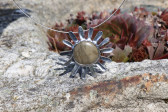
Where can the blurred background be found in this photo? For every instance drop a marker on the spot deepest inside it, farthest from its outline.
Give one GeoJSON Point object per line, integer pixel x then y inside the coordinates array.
{"type": "Point", "coordinates": [52, 11]}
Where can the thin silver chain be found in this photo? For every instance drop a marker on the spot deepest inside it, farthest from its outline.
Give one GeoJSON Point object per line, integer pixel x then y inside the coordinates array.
{"type": "Point", "coordinates": [60, 31]}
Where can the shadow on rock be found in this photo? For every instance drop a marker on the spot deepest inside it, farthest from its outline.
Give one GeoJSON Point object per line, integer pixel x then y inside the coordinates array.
{"type": "Point", "coordinates": [7, 16]}
{"type": "Point", "coordinates": [68, 68]}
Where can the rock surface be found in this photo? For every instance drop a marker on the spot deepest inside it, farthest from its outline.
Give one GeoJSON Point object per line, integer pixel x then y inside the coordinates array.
{"type": "Point", "coordinates": [30, 81]}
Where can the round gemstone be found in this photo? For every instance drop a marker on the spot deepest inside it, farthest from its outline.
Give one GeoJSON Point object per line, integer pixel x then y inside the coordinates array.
{"type": "Point", "coordinates": [85, 53]}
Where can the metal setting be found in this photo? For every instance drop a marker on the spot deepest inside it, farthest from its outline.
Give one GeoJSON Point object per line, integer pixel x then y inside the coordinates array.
{"type": "Point", "coordinates": [83, 44]}
{"type": "Point", "coordinates": [85, 65]}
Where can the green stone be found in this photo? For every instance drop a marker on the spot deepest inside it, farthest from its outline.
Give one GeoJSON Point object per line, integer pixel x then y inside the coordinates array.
{"type": "Point", "coordinates": [85, 53]}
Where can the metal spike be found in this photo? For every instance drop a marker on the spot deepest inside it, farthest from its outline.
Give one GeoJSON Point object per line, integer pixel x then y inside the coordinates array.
{"type": "Point", "coordinates": [102, 68]}
{"type": "Point", "coordinates": [105, 59]}
{"type": "Point", "coordinates": [66, 42]}
{"type": "Point", "coordinates": [81, 33]}
{"type": "Point", "coordinates": [74, 70]}
{"type": "Point", "coordinates": [66, 53]}
{"type": "Point", "coordinates": [106, 50]}
{"type": "Point", "coordinates": [90, 33]}
{"type": "Point", "coordinates": [92, 71]}
{"type": "Point", "coordinates": [73, 37]}
{"type": "Point", "coordinates": [68, 62]}
{"type": "Point", "coordinates": [105, 41]}
{"type": "Point", "coordinates": [83, 75]}
{"type": "Point", "coordinates": [98, 36]}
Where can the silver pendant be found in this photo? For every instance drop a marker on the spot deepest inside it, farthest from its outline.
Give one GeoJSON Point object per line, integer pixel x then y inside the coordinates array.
{"type": "Point", "coordinates": [86, 53]}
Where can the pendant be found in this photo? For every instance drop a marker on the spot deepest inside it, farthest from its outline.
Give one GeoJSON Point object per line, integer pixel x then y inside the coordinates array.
{"type": "Point", "coordinates": [86, 53]}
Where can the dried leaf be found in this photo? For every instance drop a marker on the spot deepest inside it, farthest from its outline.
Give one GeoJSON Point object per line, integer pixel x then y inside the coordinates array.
{"type": "Point", "coordinates": [127, 50]}
{"type": "Point", "coordinates": [121, 55]}
{"type": "Point", "coordinates": [150, 51]}
{"type": "Point", "coordinates": [159, 50]}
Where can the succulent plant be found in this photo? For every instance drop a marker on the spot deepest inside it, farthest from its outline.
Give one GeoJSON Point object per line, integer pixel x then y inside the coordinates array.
{"type": "Point", "coordinates": [134, 36]}
{"type": "Point", "coordinates": [125, 29]}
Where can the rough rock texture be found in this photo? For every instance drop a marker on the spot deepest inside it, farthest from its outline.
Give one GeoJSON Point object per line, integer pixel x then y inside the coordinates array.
{"type": "Point", "coordinates": [30, 81]}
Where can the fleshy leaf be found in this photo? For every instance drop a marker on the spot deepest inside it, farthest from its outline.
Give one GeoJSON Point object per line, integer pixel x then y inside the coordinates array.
{"type": "Point", "coordinates": [159, 50]}
{"type": "Point", "coordinates": [150, 51]}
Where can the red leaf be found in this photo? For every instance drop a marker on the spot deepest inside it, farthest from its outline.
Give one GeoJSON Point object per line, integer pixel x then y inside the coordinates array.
{"type": "Point", "coordinates": [164, 16]}
{"type": "Point", "coordinates": [162, 57]}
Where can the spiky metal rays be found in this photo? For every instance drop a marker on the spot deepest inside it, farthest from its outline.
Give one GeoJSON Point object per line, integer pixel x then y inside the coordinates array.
{"type": "Point", "coordinates": [86, 53]}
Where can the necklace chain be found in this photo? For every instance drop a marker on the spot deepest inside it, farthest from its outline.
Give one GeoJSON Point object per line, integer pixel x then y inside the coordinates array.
{"type": "Point", "coordinates": [60, 31]}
